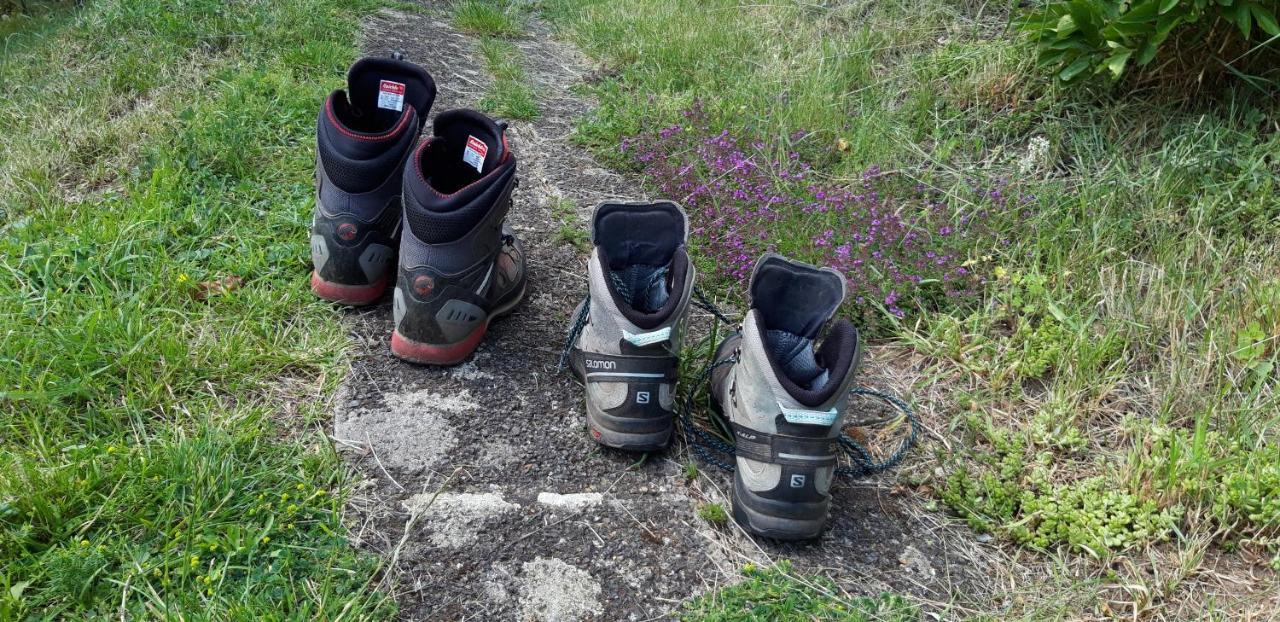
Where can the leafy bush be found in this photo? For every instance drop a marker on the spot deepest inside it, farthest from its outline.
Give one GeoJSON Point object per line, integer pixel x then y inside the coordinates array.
{"type": "Point", "coordinates": [1078, 38]}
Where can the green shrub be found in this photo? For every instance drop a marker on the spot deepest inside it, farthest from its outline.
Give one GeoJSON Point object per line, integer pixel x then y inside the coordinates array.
{"type": "Point", "coordinates": [1079, 38]}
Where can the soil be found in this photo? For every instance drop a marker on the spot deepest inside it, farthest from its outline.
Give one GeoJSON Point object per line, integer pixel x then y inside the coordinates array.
{"type": "Point", "coordinates": [480, 481]}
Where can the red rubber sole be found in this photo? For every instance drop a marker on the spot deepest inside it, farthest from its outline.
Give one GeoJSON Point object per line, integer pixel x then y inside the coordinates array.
{"type": "Point", "coordinates": [427, 354]}
{"type": "Point", "coordinates": [354, 295]}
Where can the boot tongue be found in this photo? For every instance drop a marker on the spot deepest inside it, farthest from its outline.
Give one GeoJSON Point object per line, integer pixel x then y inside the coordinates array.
{"type": "Point", "coordinates": [795, 355]}
{"type": "Point", "coordinates": [793, 301]}
{"type": "Point", "coordinates": [637, 244]}
{"type": "Point", "coordinates": [383, 88]}
{"type": "Point", "coordinates": [472, 141]}
{"type": "Point", "coordinates": [643, 286]}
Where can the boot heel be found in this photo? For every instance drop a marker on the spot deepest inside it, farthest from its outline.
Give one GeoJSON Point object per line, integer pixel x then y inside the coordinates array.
{"type": "Point", "coordinates": [629, 434]}
{"type": "Point", "coordinates": [352, 295]}
{"type": "Point", "coordinates": [778, 520]}
{"type": "Point", "coordinates": [412, 351]}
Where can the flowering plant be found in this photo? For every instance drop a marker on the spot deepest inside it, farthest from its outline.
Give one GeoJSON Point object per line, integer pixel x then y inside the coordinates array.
{"type": "Point", "coordinates": [900, 247]}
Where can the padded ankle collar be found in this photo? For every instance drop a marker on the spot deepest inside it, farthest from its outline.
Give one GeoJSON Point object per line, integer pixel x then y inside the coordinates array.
{"type": "Point", "coordinates": [639, 233]}
{"type": "Point", "coordinates": [794, 296]}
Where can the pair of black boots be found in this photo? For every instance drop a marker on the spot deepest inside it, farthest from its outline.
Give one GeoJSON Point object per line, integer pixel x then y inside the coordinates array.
{"type": "Point", "coordinates": [431, 212]}
{"type": "Point", "coordinates": [783, 394]}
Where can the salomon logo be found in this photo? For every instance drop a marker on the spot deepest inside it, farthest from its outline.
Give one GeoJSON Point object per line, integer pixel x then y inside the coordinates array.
{"type": "Point", "coordinates": [642, 397]}
{"type": "Point", "coordinates": [596, 364]}
{"type": "Point", "coordinates": [797, 481]}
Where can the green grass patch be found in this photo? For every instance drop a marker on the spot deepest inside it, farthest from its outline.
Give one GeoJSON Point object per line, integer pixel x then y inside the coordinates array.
{"type": "Point", "coordinates": [492, 18]}
{"type": "Point", "coordinates": [164, 453]}
{"type": "Point", "coordinates": [509, 96]}
{"type": "Point", "coordinates": [30, 16]}
{"type": "Point", "coordinates": [779, 593]}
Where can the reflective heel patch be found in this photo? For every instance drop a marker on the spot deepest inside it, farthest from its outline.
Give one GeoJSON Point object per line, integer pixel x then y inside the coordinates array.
{"type": "Point", "coordinates": [646, 339]}
{"type": "Point", "coordinates": [809, 417]}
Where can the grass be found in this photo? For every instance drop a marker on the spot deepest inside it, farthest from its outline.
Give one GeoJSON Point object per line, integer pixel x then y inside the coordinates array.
{"type": "Point", "coordinates": [713, 513]}
{"type": "Point", "coordinates": [509, 96]}
{"type": "Point", "coordinates": [1110, 397]}
{"type": "Point", "coordinates": [162, 360]}
{"type": "Point", "coordinates": [570, 229]}
{"type": "Point", "coordinates": [487, 18]}
{"type": "Point", "coordinates": [20, 15]}
{"type": "Point", "coordinates": [779, 593]}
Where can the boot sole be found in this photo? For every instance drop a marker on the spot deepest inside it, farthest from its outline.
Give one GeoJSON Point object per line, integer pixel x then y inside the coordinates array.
{"type": "Point", "coordinates": [761, 521]}
{"type": "Point", "coordinates": [421, 353]}
{"type": "Point", "coordinates": [605, 434]}
{"type": "Point", "coordinates": [351, 295]}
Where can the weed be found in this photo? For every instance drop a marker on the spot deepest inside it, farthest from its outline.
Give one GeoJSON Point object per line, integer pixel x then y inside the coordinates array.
{"type": "Point", "coordinates": [714, 514]}
{"type": "Point", "coordinates": [510, 100]}
{"type": "Point", "coordinates": [1079, 39]}
{"type": "Point", "coordinates": [690, 471]}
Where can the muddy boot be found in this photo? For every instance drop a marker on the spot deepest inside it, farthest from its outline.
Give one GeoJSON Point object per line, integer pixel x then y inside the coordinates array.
{"type": "Point", "coordinates": [460, 267]}
{"type": "Point", "coordinates": [364, 135]}
{"type": "Point", "coordinates": [785, 397]}
{"type": "Point", "coordinates": [626, 354]}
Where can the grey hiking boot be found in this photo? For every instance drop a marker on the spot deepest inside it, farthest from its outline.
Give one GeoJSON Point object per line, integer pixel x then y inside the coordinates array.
{"type": "Point", "coordinates": [626, 353]}
{"type": "Point", "coordinates": [364, 135]}
{"type": "Point", "coordinates": [460, 267]}
{"type": "Point", "coordinates": [785, 397]}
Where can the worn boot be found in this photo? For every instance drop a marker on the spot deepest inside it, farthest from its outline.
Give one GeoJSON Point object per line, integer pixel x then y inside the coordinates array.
{"type": "Point", "coordinates": [460, 267]}
{"type": "Point", "coordinates": [626, 353]}
{"type": "Point", "coordinates": [364, 135]}
{"type": "Point", "coordinates": [785, 397]}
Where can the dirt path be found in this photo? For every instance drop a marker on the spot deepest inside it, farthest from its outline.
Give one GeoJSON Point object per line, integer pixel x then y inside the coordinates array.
{"type": "Point", "coordinates": [481, 481]}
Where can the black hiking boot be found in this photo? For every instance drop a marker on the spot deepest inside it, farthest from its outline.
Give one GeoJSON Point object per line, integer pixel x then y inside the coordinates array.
{"type": "Point", "coordinates": [627, 351]}
{"type": "Point", "coordinates": [460, 267]}
{"type": "Point", "coordinates": [364, 135]}
{"type": "Point", "coordinates": [785, 397]}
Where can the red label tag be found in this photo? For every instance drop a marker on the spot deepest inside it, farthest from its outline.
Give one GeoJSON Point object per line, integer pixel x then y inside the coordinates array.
{"type": "Point", "coordinates": [391, 95]}
{"type": "Point", "coordinates": [475, 152]}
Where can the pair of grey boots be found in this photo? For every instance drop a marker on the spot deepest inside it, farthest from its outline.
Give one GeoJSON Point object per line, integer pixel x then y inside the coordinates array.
{"type": "Point", "coordinates": [783, 394]}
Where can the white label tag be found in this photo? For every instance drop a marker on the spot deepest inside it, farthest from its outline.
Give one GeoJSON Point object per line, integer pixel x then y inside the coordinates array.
{"type": "Point", "coordinates": [475, 152]}
{"type": "Point", "coordinates": [391, 95]}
